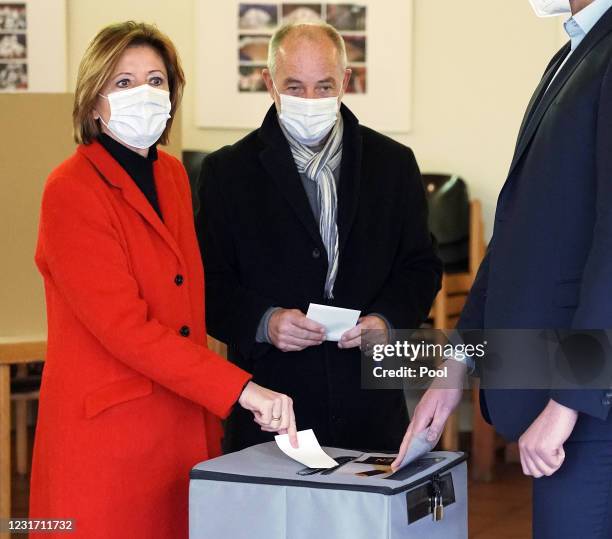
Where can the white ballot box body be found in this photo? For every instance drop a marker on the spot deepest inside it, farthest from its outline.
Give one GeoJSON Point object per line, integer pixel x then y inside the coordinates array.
{"type": "Point", "coordinates": [260, 493]}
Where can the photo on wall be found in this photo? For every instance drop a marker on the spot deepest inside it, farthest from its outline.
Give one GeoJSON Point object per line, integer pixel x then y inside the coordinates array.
{"type": "Point", "coordinates": [230, 91]}
{"type": "Point", "coordinates": [257, 23]}
{"type": "Point", "coordinates": [302, 13]}
{"type": "Point", "coordinates": [347, 17]}
{"type": "Point", "coordinates": [33, 46]}
{"type": "Point", "coordinates": [13, 47]}
{"type": "Point", "coordinates": [253, 48]}
{"type": "Point", "coordinates": [12, 17]}
{"type": "Point", "coordinates": [355, 48]}
{"type": "Point", "coordinates": [255, 17]}
{"type": "Point", "coordinates": [13, 76]}
{"type": "Point", "coordinates": [250, 79]}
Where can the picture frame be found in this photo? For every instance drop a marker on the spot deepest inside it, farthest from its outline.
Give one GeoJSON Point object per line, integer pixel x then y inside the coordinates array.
{"type": "Point", "coordinates": [33, 46]}
{"type": "Point", "coordinates": [231, 51]}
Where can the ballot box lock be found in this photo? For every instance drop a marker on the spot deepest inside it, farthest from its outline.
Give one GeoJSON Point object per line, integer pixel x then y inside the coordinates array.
{"type": "Point", "coordinates": [437, 500]}
{"type": "Point", "coordinates": [431, 498]}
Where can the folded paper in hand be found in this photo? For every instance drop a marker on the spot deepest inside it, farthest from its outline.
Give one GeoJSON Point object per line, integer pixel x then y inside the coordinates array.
{"type": "Point", "coordinates": [309, 452]}
{"type": "Point", "coordinates": [418, 447]}
{"type": "Point", "coordinates": [335, 319]}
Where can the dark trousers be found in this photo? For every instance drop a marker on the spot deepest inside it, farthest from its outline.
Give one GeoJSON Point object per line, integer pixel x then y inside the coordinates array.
{"type": "Point", "coordinates": [576, 501]}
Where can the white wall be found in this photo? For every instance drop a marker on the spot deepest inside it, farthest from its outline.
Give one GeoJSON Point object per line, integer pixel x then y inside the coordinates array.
{"type": "Point", "coordinates": [476, 63]}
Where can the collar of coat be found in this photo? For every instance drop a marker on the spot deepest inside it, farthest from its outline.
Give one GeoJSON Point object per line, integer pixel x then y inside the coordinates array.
{"type": "Point", "coordinates": [277, 160]}
{"type": "Point", "coordinates": [109, 170]}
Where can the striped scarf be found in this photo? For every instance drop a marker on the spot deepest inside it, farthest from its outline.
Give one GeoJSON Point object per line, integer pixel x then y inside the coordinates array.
{"type": "Point", "coordinates": [318, 167]}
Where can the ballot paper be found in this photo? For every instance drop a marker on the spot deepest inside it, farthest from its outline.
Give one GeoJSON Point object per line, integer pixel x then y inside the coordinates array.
{"type": "Point", "coordinates": [335, 319]}
{"type": "Point", "coordinates": [309, 452]}
{"type": "Point", "coordinates": [418, 447]}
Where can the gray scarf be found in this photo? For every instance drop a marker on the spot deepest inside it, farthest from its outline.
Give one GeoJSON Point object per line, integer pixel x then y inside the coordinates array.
{"type": "Point", "coordinates": [318, 167]}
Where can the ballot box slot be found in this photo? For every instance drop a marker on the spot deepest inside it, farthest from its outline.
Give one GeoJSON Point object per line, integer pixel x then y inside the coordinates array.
{"type": "Point", "coordinates": [419, 465]}
{"type": "Point", "coordinates": [327, 471]}
{"type": "Point", "coordinates": [430, 498]}
{"type": "Point", "coordinates": [210, 475]}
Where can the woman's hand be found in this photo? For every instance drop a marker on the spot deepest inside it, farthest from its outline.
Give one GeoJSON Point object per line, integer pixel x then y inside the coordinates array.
{"type": "Point", "coordinates": [273, 411]}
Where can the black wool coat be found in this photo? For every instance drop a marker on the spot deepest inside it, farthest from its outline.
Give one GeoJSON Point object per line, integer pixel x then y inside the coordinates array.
{"type": "Point", "coordinates": [262, 248]}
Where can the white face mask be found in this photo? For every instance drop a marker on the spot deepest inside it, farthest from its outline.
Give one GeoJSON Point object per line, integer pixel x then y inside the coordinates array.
{"type": "Point", "coordinates": [308, 121]}
{"type": "Point", "coordinates": [138, 115]}
{"type": "Point", "coordinates": [550, 8]}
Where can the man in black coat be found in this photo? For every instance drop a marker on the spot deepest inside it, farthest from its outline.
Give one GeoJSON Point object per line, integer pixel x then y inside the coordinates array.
{"type": "Point", "coordinates": [314, 208]}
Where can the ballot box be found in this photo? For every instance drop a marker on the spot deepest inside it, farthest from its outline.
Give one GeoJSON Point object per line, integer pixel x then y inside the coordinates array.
{"type": "Point", "coordinates": [260, 493]}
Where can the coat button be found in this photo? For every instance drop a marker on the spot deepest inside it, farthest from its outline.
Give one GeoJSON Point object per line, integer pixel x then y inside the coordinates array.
{"type": "Point", "coordinates": [316, 253]}
{"type": "Point", "coordinates": [185, 331]}
{"type": "Point", "coordinates": [179, 280]}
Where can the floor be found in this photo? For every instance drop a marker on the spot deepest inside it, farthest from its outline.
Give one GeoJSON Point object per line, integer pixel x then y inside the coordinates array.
{"type": "Point", "coordinates": [497, 510]}
{"type": "Point", "coordinates": [501, 509]}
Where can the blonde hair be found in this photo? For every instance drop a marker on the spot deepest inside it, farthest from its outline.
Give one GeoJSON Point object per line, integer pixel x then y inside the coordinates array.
{"type": "Point", "coordinates": [306, 29]}
{"type": "Point", "coordinates": [97, 66]}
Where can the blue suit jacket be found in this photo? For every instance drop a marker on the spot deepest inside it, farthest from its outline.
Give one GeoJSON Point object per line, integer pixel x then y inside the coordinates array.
{"type": "Point", "coordinates": [549, 263]}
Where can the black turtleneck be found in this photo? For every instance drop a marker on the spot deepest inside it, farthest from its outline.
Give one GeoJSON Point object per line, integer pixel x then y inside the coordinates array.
{"type": "Point", "coordinates": [139, 168]}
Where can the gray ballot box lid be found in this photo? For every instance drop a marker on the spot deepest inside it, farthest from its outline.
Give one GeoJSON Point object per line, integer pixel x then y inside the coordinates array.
{"type": "Point", "coordinates": [266, 464]}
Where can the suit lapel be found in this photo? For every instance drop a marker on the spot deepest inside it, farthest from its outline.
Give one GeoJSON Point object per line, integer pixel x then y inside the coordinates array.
{"type": "Point", "coordinates": [601, 29]}
{"type": "Point", "coordinates": [114, 174]}
{"type": "Point", "coordinates": [350, 176]}
{"type": "Point", "coordinates": [279, 164]}
{"type": "Point", "coordinates": [544, 84]}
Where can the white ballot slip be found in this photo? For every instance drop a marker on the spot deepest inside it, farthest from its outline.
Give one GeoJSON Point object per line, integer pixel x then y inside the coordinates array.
{"type": "Point", "coordinates": [309, 452]}
{"type": "Point", "coordinates": [335, 319]}
{"type": "Point", "coordinates": [417, 448]}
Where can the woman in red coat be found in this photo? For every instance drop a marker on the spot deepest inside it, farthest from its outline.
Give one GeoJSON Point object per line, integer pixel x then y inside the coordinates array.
{"type": "Point", "coordinates": [131, 397]}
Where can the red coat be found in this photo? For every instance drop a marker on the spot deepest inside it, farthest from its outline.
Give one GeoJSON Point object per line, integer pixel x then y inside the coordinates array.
{"type": "Point", "coordinates": [128, 403]}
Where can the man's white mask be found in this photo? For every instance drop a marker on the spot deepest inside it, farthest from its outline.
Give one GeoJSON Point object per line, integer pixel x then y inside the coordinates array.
{"type": "Point", "coordinates": [309, 121]}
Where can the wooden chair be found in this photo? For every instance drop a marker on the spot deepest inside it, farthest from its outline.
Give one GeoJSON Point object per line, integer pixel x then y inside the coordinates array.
{"type": "Point", "coordinates": [456, 286]}
{"type": "Point", "coordinates": [14, 351]}
{"type": "Point", "coordinates": [25, 388]}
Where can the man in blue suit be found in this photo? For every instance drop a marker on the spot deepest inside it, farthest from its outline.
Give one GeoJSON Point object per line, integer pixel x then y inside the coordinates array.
{"type": "Point", "coordinates": [549, 266]}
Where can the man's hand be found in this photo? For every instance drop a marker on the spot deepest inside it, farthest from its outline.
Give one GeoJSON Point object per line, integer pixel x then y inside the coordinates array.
{"type": "Point", "coordinates": [291, 331]}
{"type": "Point", "coordinates": [273, 411]}
{"type": "Point", "coordinates": [541, 446]}
{"type": "Point", "coordinates": [438, 402]}
{"type": "Point", "coordinates": [352, 337]}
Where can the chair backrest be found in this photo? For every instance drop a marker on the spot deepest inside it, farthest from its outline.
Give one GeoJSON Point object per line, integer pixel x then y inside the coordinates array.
{"type": "Point", "coordinates": [456, 286]}
{"type": "Point", "coordinates": [449, 219]}
{"type": "Point", "coordinates": [192, 161]}
{"type": "Point", "coordinates": [477, 239]}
